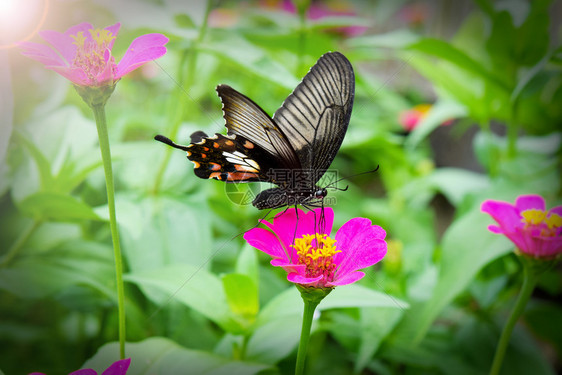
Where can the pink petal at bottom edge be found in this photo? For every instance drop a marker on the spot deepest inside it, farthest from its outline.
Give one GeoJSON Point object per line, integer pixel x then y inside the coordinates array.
{"type": "Point", "coordinates": [74, 75]}
{"type": "Point", "coordinates": [118, 368]}
{"type": "Point", "coordinates": [347, 279]}
{"type": "Point", "coordinates": [86, 371]}
{"type": "Point", "coordinates": [299, 279]}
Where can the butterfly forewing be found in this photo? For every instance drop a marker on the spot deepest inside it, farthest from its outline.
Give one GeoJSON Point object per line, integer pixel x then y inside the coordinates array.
{"type": "Point", "coordinates": [316, 115]}
{"type": "Point", "coordinates": [245, 118]}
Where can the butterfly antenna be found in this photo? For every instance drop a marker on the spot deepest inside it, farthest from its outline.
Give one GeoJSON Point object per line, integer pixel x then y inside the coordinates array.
{"type": "Point", "coordinates": [329, 186]}
{"type": "Point", "coordinates": [168, 141]}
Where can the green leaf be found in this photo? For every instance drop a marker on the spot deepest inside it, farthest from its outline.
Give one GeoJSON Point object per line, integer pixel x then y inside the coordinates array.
{"type": "Point", "coordinates": [441, 112]}
{"type": "Point", "coordinates": [456, 183]}
{"type": "Point", "coordinates": [56, 206]}
{"type": "Point", "coordinates": [450, 53]}
{"type": "Point", "coordinates": [394, 39]}
{"type": "Point", "coordinates": [247, 263]}
{"type": "Point", "coordinates": [159, 231]}
{"type": "Point", "coordinates": [467, 247]}
{"type": "Point", "coordinates": [72, 263]}
{"type": "Point", "coordinates": [278, 325]}
{"type": "Point", "coordinates": [194, 287]}
{"type": "Point", "coordinates": [43, 165]}
{"type": "Point", "coordinates": [242, 295]}
{"type": "Point", "coordinates": [376, 324]}
{"type": "Point", "coordinates": [161, 356]}
{"type": "Point", "coordinates": [354, 295]}
{"type": "Point", "coordinates": [237, 50]}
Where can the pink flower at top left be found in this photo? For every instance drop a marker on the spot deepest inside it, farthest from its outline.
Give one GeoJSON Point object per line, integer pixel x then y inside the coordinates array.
{"type": "Point", "coordinates": [82, 54]}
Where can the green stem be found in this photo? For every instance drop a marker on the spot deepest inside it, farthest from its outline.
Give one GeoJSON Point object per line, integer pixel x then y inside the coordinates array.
{"type": "Point", "coordinates": [529, 282]}
{"type": "Point", "coordinates": [309, 307]}
{"type": "Point", "coordinates": [18, 245]}
{"type": "Point", "coordinates": [302, 9]}
{"type": "Point", "coordinates": [101, 123]}
{"type": "Point", "coordinates": [181, 110]}
{"type": "Point", "coordinates": [512, 132]}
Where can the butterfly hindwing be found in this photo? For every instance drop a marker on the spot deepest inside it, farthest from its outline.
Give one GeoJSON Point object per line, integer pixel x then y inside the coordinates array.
{"type": "Point", "coordinates": [228, 158]}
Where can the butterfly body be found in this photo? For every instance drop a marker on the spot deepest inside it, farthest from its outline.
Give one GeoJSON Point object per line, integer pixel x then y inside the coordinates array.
{"type": "Point", "coordinates": [293, 149]}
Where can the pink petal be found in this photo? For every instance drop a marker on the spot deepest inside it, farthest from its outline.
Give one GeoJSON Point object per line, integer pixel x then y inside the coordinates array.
{"type": "Point", "coordinates": [550, 246]}
{"type": "Point", "coordinates": [556, 210]}
{"type": "Point", "coordinates": [107, 74]}
{"type": "Point", "coordinates": [299, 279]}
{"type": "Point", "coordinates": [521, 240]}
{"type": "Point", "coordinates": [118, 368]}
{"type": "Point", "coordinates": [495, 229]}
{"type": "Point", "coordinates": [288, 267]}
{"type": "Point", "coordinates": [75, 75]}
{"type": "Point", "coordinates": [347, 279]}
{"type": "Point", "coordinates": [62, 42]}
{"type": "Point", "coordinates": [84, 27]}
{"type": "Point", "coordinates": [114, 30]}
{"type": "Point", "coordinates": [86, 371]}
{"type": "Point", "coordinates": [42, 53]}
{"type": "Point", "coordinates": [505, 214]}
{"type": "Point", "coordinates": [526, 202]}
{"type": "Point", "coordinates": [143, 49]}
{"type": "Point", "coordinates": [264, 240]}
{"type": "Point", "coordinates": [362, 245]}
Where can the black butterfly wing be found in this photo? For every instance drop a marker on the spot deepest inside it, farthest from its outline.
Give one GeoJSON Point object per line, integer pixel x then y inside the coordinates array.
{"type": "Point", "coordinates": [246, 119]}
{"type": "Point", "coordinates": [228, 158]}
{"type": "Point", "coordinates": [314, 118]}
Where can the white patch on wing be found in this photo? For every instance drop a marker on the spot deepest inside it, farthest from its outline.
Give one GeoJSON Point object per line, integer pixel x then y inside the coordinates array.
{"type": "Point", "coordinates": [242, 161]}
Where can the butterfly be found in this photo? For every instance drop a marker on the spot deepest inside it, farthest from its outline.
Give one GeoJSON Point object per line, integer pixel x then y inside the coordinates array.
{"type": "Point", "coordinates": [293, 149]}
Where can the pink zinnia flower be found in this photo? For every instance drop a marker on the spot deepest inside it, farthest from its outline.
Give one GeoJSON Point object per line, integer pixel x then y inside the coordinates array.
{"type": "Point", "coordinates": [82, 54]}
{"type": "Point", "coordinates": [318, 10]}
{"type": "Point", "coordinates": [528, 225]}
{"type": "Point", "coordinates": [117, 368]}
{"type": "Point", "coordinates": [310, 256]}
{"type": "Point", "coordinates": [410, 118]}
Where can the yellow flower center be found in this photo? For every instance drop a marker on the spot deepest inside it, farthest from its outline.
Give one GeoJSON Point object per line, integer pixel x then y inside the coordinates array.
{"type": "Point", "coordinates": [90, 54]}
{"type": "Point", "coordinates": [316, 252]}
{"type": "Point", "coordinates": [539, 219]}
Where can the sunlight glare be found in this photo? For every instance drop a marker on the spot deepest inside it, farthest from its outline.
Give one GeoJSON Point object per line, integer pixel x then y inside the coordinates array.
{"type": "Point", "coordinates": [20, 20]}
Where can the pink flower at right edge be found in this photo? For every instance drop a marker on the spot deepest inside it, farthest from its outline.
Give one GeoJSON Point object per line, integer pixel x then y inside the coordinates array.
{"type": "Point", "coordinates": [534, 230]}
{"type": "Point", "coordinates": [310, 257]}
{"type": "Point", "coordinates": [116, 368]}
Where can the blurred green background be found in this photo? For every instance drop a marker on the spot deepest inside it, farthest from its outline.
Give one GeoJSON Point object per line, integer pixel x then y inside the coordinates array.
{"type": "Point", "coordinates": [198, 299]}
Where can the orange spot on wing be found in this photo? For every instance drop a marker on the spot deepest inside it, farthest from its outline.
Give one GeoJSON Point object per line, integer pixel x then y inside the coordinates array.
{"type": "Point", "coordinates": [205, 148]}
{"type": "Point", "coordinates": [229, 143]}
{"type": "Point", "coordinates": [215, 145]}
{"type": "Point", "coordinates": [214, 166]}
{"type": "Point", "coordinates": [248, 144]}
{"type": "Point", "coordinates": [203, 156]}
{"type": "Point", "coordinates": [243, 168]}
{"type": "Point", "coordinates": [236, 176]}
{"type": "Point", "coordinates": [197, 165]}
{"type": "Point", "coordinates": [215, 175]}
